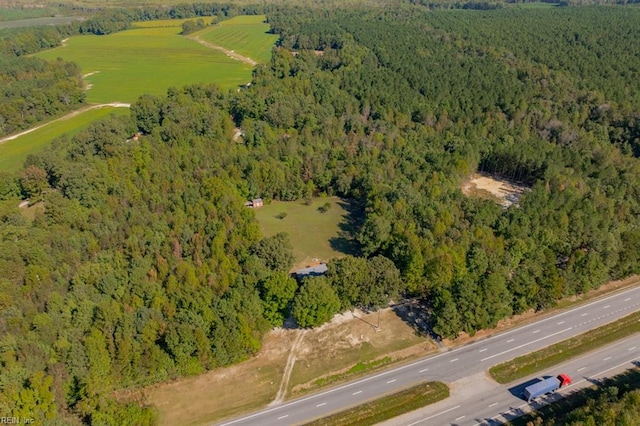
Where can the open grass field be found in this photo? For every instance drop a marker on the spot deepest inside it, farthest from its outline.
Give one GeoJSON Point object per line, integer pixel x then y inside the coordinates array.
{"type": "Point", "coordinates": [14, 152]}
{"type": "Point", "coordinates": [9, 22]}
{"type": "Point", "coordinates": [313, 234]}
{"type": "Point", "coordinates": [127, 64]}
{"type": "Point", "coordinates": [246, 35]}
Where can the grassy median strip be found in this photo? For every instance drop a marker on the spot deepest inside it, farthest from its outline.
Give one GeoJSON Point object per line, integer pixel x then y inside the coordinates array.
{"type": "Point", "coordinates": [388, 407]}
{"type": "Point", "coordinates": [526, 365]}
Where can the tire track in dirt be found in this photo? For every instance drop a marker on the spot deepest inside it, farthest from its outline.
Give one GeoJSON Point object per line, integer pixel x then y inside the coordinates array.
{"type": "Point", "coordinates": [64, 117]}
{"type": "Point", "coordinates": [286, 375]}
{"type": "Point", "coordinates": [229, 53]}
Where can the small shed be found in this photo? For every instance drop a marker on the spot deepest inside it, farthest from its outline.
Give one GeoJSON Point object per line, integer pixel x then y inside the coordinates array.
{"type": "Point", "coordinates": [255, 203]}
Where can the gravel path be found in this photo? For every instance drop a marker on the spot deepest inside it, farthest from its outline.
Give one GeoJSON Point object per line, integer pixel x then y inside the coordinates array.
{"type": "Point", "coordinates": [64, 117]}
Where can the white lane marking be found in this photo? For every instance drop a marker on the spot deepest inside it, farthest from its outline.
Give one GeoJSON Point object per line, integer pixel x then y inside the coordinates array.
{"type": "Point", "coordinates": [561, 322]}
{"type": "Point", "coordinates": [423, 370]}
{"type": "Point", "coordinates": [454, 360]}
{"type": "Point", "coordinates": [413, 364]}
{"type": "Point", "coordinates": [320, 405]}
{"type": "Point", "coordinates": [525, 344]}
{"type": "Point", "coordinates": [585, 314]}
{"type": "Point", "coordinates": [537, 331]}
{"type": "Point", "coordinates": [355, 393]}
{"type": "Point", "coordinates": [283, 417]}
{"type": "Point", "coordinates": [482, 350]}
{"type": "Point", "coordinates": [493, 405]}
{"type": "Point", "coordinates": [460, 418]}
{"type": "Point", "coordinates": [601, 372]}
{"type": "Point", "coordinates": [510, 340]}
{"type": "Point", "coordinates": [627, 299]}
{"type": "Point", "coordinates": [581, 368]}
{"type": "Point", "coordinates": [630, 349]}
{"type": "Point", "coordinates": [606, 307]}
{"type": "Point", "coordinates": [391, 381]}
{"type": "Point", "coordinates": [607, 358]}
{"type": "Point", "coordinates": [435, 415]}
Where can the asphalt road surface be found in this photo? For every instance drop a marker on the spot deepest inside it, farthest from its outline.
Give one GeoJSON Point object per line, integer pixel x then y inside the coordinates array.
{"type": "Point", "coordinates": [453, 365]}
{"type": "Point", "coordinates": [481, 401]}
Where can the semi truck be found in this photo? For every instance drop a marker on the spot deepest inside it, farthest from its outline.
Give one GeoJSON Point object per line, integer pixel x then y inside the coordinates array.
{"type": "Point", "coordinates": [546, 386]}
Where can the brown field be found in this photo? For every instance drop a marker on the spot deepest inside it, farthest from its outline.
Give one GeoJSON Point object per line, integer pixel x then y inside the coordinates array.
{"type": "Point", "coordinates": [330, 349]}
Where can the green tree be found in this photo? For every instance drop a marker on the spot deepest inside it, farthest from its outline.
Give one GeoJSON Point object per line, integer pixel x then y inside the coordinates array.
{"type": "Point", "coordinates": [276, 252]}
{"type": "Point", "coordinates": [33, 181]}
{"type": "Point", "coordinates": [9, 186]}
{"type": "Point", "coordinates": [36, 400]}
{"type": "Point", "coordinates": [347, 276]}
{"type": "Point", "coordinates": [315, 303]}
{"type": "Point", "coordinates": [146, 113]}
{"type": "Point", "coordinates": [277, 292]}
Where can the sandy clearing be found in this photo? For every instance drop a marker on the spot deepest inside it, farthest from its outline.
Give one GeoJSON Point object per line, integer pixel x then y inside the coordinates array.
{"type": "Point", "coordinates": [506, 193]}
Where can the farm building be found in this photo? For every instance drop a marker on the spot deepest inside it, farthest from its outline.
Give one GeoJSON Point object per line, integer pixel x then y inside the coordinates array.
{"type": "Point", "coordinates": [311, 271]}
{"type": "Point", "coordinates": [255, 203]}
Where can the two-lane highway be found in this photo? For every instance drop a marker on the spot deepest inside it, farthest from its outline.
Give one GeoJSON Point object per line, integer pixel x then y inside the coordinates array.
{"type": "Point", "coordinates": [454, 364]}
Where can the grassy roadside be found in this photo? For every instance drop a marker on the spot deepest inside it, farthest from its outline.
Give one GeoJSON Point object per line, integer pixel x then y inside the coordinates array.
{"type": "Point", "coordinates": [528, 364]}
{"type": "Point", "coordinates": [328, 356]}
{"type": "Point", "coordinates": [388, 407]}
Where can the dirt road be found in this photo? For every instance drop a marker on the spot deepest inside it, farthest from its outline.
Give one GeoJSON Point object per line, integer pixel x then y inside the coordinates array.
{"type": "Point", "coordinates": [229, 53]}
{"type": "Point", "coordinates": [64, 117]}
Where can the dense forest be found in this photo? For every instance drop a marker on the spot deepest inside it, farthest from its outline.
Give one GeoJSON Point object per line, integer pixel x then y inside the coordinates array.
{"type": "Point", "coordinates": [33, 90]}
{"type": "Point", "coordinates": [144, 265]}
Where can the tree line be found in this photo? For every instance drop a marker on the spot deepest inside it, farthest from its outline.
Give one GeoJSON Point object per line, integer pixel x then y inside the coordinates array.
{"type": "Point", "coordinates": [145, 266]}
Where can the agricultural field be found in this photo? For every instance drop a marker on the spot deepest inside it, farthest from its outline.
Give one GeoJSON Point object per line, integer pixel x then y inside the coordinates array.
{"type": "Point", "coordinates": [7, 21]}
{"type": "Point", "coordinates": [246, 35]}
{"type": "Point", "coordinates": [14, 152]}
{"type": "Point", "coordinates": [314, 234]}
{"type": "Point", "coordinates": [122, 66]}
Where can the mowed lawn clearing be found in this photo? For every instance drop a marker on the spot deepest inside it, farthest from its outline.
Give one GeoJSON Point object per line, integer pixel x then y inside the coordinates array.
{"type": "Point", "coordinates": [246, 35]}
{"type": "Point", "coordinates": [120, 67]}
{"type": "Point", "coordinates": [313, 234]}
{"type": "Point", "coordinates": [13, 153]}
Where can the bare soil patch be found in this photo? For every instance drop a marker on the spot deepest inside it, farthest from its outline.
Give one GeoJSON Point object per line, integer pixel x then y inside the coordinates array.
{"type": "Point", "coordinates": [490, 187]}
{"type": "Point", "coordinates": [353, 338]}
{"type": "Point", "coordinates": [226, 391]}
{"type": "Point", "coordinates": [330, 349]}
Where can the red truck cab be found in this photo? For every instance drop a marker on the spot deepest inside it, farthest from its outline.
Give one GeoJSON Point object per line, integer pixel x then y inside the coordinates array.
{"type": "Point", "coordinates": [564, 380]}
